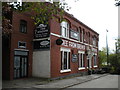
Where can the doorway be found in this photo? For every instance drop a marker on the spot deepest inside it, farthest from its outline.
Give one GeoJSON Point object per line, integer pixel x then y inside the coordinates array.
{"type": "Point", "coordinates": [20, 66]}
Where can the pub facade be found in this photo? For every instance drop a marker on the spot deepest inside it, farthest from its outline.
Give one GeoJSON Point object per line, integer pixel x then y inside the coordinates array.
{"type": "Point", "coordinates": [53, 50]}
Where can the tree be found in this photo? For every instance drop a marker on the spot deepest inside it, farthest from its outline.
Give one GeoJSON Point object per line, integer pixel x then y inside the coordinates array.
{"type": "Point", "coordinates": [102, 57]}
{"type": "Point", "coordinates": [114, 58]}
{"type": "Point", "coordinates": [117, 3]}
{"type": "Point", "coordinates": [43, 11]}
{"type": "Point", "coordinates": [117, 44]}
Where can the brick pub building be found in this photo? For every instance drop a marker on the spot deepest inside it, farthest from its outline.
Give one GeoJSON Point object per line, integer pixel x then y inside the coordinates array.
{"type": "Point", "coordinates": [55, 50]}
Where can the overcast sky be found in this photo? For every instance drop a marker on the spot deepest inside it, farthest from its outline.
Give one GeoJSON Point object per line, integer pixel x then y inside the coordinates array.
{"type": "Point", "coordinates": [98, 15]}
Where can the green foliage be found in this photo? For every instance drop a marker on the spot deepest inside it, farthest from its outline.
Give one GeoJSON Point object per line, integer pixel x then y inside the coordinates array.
{"type": "Point", "coordinates": [44, 11]}
{"type": "Point", "coordinates": [112, 70]}
{"type": "Point", "coordinates": [113, 60]}
{"type": "Point", "coordinates": [117, 2]}
{"type": "Point", "coordinates": [102, 57]}
{"type": "Point", "coordinates": [40, 12]}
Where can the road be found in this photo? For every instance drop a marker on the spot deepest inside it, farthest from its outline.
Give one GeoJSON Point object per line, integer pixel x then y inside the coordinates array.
{"type": "Point", "coordinates": [109, 81]}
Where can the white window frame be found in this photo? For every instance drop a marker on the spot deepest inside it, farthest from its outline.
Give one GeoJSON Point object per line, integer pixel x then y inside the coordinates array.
{"type": "Point", "coordinates": [79, 34]}
{"type": "Point", "coordinates": [21, 46]}
{"type": "Point", "coordinates": [62, 68]}
{"type": "Point", "coordinates": [65, 29]}
{"type": "Point", "coordinates": [94, 41]}
{"type": "Point", "coordinates": [79, 53]}
{"type": "Point", "coordinates": [23, 26]}
{"type": "Point", "coordinates": [82, 36]}
{"type": "Point", "coordinates": [95, 58]}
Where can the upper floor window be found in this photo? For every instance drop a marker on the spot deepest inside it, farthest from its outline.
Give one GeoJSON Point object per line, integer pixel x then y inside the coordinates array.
{"type": "Point", "coordinates": [82, 35]}
{"type": "Point", "coordinates": [94, 41]}
{"type": "Point", "coordinates": [65, 29]}
{"type": "Point", "coordinates": [89, 37]}
{"type": "Point", "coordinates": [21, 44]}
{"type": "Point", "coordinates": [74, 34]}
{"type": "Point", "coordinates": [23, 26]}
{"type": "Point", "coordinates": [95, 60]}
{"type": "Point", "coordinates": [80, 38]}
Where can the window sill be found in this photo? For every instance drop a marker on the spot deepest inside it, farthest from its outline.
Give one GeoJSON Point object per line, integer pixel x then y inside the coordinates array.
{"type": "Point", "coordinates": [81, 68]}
{"type": "Point", "coordinates": [67, 70]}
{"type": "Point", "coordinates": [89, 67]}
{"type": "Point", "coordinates": [65, 37]}
{"type": "Point", "coordinates": [95, 66]}
{"type": "Point", "coordinates": [21, 47]}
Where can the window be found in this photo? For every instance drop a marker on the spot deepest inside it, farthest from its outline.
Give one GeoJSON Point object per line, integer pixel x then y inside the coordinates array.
{"type": "Point", "coordinates": [21, 44]}
{"type": "Point", "coordinates": [65, 59]}
{"type": "Point", "coordinates": [89, 37]}
{"type": "Point", "coordinates": [81, 60]}
{"type": "Point", "coordinates": [79, 30]}
{"type": "Point", "coordinates": [94, 41]}
{"type": "Point", "coordinates": [23, 26]}
{"type": "Point", "coordinates": [82, 35]}
{"type": "Point", "coordinates": [65, 29]}
{"type": "Point", "coordinates": [23, 53]}
{"type": "Point", "coordinates": [95, 60]}
{"type": "Point", "coordinates": [74, 34]}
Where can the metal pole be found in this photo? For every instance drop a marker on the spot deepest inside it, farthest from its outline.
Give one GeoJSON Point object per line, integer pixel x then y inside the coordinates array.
{"type": "Point", "coordinates": [107, 48]}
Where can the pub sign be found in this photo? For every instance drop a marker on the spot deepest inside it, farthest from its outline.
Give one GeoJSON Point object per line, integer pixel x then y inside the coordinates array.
{"type": "Point", "coordinates": [74, 57]}
{"type": "Point", "coordinates": [74, 34]}
{"type": "Point", "coordinates": [42, 31]}
{"type": "Point", "coordinates": [42, 44]}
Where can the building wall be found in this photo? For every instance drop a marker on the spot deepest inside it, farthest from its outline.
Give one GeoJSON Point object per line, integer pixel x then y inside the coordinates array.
{"type": "Point", "coordinates": [41, 64]}
{"type": "Point", "coordinates": [48, 63]}
{"type": "Point", "coordinates": [18, 36]}
{"type": "Point", "coordinates": [5, 58]}
{"type": "Point", "coordinates": [55, 49]}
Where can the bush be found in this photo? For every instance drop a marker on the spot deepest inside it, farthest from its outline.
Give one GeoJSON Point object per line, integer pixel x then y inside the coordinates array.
{"type": "Point", "coordinates": [112, 70]}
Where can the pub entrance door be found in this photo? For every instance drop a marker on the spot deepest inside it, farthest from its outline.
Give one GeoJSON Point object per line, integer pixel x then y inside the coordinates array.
{"type": "Point", "coordinates": [20, 66]}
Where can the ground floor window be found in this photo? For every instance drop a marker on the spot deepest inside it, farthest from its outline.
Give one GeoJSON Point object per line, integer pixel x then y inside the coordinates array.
{"type": "Point", "coordinates": [81, 59]}
{"type": "Point", "coordinates": [65, 59]}
{"type": "Point", "coordinates": [95, 60]}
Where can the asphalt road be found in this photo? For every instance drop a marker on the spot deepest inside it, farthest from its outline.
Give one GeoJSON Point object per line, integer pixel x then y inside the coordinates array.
{"type": "Point", "coordinates": [109, 81]}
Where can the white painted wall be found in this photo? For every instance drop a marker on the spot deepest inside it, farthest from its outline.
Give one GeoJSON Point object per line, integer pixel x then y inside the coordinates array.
{"type": "Point", "coordinates": [41, 64]}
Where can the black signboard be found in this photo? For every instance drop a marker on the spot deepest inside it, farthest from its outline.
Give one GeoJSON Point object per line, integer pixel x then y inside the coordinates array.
{"type": "Point", "coordinates": [42, 31]}
{"type": "Point", "coordinates": [74, 58]}
{"type": "Point", "coordinates": [42, 44]}
{"type": "Point", "coordinates": [74, 34]}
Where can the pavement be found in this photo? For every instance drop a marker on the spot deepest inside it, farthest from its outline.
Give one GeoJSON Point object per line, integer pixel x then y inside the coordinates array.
{"type": "Point", "coordinates": [45, 83]}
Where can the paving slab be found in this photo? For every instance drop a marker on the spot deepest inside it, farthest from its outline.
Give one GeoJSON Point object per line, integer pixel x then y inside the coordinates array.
{"type": "Point", "coordinates": [69, 82]}
{"type": "Point", "coordinates": [42, 83]}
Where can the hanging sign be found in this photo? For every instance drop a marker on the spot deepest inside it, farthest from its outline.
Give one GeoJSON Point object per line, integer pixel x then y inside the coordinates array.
{"type": "Point", "coordinates": [73, 44]}
{"type": "Point", "coordinates": [42, 31]}
{"type": "Point", "coordinates": [42, 44]}
{"type": "Point", "coordinates": [74, 58]}
{"type": "Point", "coordinates": [74, 34]}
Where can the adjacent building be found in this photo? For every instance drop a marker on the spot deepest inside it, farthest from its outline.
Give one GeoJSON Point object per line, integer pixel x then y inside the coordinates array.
{"type": "Point", "coordinates": [54, 50]}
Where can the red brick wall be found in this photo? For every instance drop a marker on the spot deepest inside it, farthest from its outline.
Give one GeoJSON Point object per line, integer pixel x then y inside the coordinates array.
{"type": "Point", "coordinates": [55, 49]}
{"type": "Point", "coordinates": [18, 36]}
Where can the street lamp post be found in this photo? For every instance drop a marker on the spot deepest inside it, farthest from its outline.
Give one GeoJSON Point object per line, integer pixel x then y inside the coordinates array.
{"type": "Point", "coordinates": [107, 48]}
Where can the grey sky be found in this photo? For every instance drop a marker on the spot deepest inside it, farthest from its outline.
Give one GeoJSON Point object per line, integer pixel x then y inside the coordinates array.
{"type": "Point", "coordinates": [99, 15]}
